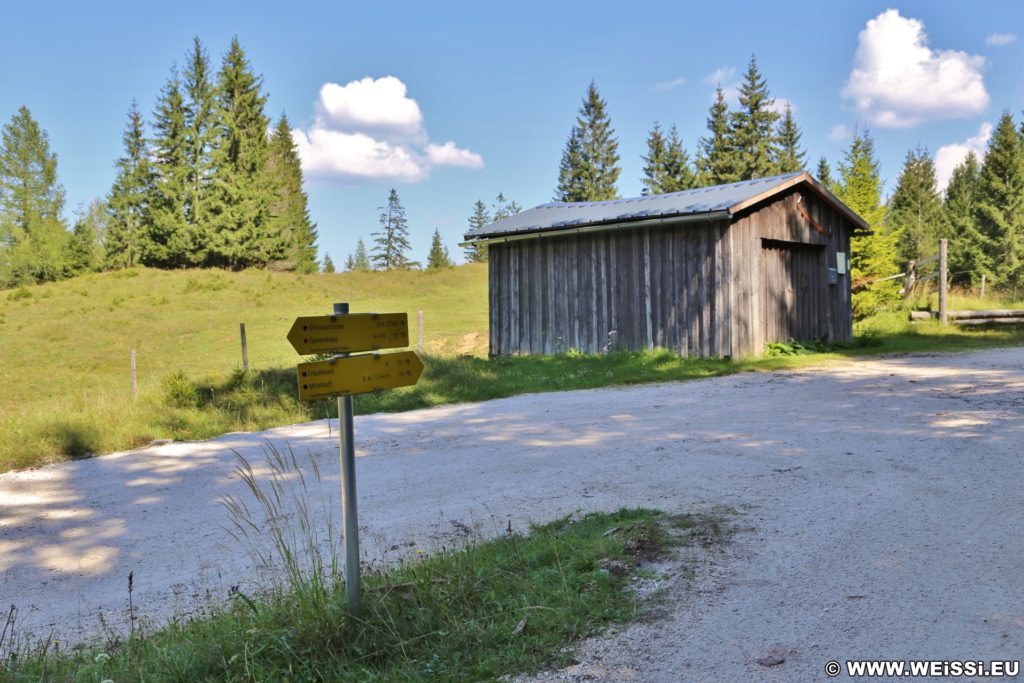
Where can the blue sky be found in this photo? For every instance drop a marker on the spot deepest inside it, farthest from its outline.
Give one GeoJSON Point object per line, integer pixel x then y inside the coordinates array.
{"type": "Point", "coordinates": [454, 102]}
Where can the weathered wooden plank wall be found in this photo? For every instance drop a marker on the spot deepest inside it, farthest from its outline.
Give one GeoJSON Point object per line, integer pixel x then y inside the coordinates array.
{"type": "Point", "coordinates": [700, 289]}
{"type": "Point", "coordinates": [633, 289]}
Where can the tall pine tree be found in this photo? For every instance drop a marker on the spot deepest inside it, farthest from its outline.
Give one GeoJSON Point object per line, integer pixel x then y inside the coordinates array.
{"type": "Point", "coordinates": [85, 246]}
{"type": "Point", "coordinates": [438, 257]}
{"type": "Point", "coordinates": [477, 253]}
{"type": "Point", "coordinates": [33, 236]}
{"type": "Point", "coordinates": [666, 165]}
{"type": "Point", "coordinates": [328, 264]}
{"type": "Point", "coordinates": [359, 261]}
{"type": "Point", "coordinates": [202, 122]}
{"type": "Point", "coordinates": [915, 208]}
{"type": "Point", "coordinates": [824, 175]}
{"type": "Point", "coordinates": [969, 248]}
{"type": "Point", "coordinates": [589, 168]}
{"type": "Point", "coordinates": [289, 211]}
{"type": "Point", "coordinates": [169, 243]}
{"type": "Point", "coordinates": [391, 244]}
{"type": "Point", "coordinates": [753, 126]}
{"type": "Point", "coordinates": [242, 234]}
{"type": "Point", "coordinates": [873, 256]}
{"type": "Point", "coordinates": [999, 206]}
{"type": "Point", "coordinates": [791, 157]}
{"type": "Point", "coordinates": [654, 162]}
{"type": "Point", "coordinates": [717, 161]}
{"type": "Point", "coordinates": [130, 198]}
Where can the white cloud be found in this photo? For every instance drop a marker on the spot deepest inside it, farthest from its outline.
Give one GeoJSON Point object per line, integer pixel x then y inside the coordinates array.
{"type": "Point", "coordinates": [665, 86]}
{"type": "Point", "coordinates": [839, 132]}
{"type": "Point", "coordinates": [950, 156]}
{"type": "Point", "coordinates": [778, 106]}
{"type": "Point", "coordinates": [450, 155]}
{"type": "Point", "coordinates": [371, 130]}
{"type": "Point", "coordinates": [898, 81]}
{"type": "Point", "coordinates": [720, 75]}
{"type": "Point", "coordinates": [999, 39]}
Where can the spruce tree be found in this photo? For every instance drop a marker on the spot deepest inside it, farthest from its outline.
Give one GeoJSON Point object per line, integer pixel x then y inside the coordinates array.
{"type": "Point", "coordinates": [824, 175]}
{"type": "Point", "coordinates": [477, 253]}
{"type": "Point", "coordinates": [716, 156]}
{"type": "Point", "coordinates": [999, 207]}
{"type": "Point", "coordinates": [168, 243]}
{"type": "Point", "coordinates": [85, 245]}
{"type": "Point", "coordinates": [201, 134]}
{"type": "Point", "coordinates": [242, 234]}
{"type": "Point", "coordinates": [33, 236]}
{"type": "Point", "coordinates": [289, 210]}
{"type": "Point", "coordinates": [361, 261]}
{"type": "Point", "coordinates": [678, 171]}
{"type": "Point", "coordinates": [969, 249]}
{"type": "Point", "coordinates": [130, 200]}
{"type": "Point", "coordinates": [753, 126]}
{"type": "Point", "coordinates": [874, 256]}
{"type": "Point", "coordinates": [791, 157]}
{"type": "Point", "coordinates": [589, 169]}
{"type": "Point", "coordinates": [915, 208]}
{"type": "Point", "coordinates": [654, 162]}
{"type": "Point", "coordinates": [503, 208]}
{"type": "Point", "coordinates": [391, 244]}
{"type": "Point", "coordinates": [438, 257]}
{"type": "Point", "coordinates": [350, 263]}
{"type": "Point", "coordinates": [328, 264]}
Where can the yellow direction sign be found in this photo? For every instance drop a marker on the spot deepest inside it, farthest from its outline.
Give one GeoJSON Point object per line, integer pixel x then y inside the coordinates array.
{"type": "Point", "coordinates": [344, 376]}
{"type": "Point", "coordinates": [349, 333]}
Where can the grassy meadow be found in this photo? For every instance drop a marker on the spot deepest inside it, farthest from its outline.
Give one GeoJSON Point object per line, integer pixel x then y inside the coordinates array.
{"type": "Point", "coordinates": [65, 387]}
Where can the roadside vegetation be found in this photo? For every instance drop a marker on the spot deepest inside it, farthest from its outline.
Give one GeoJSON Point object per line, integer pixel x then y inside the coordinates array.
{"type": "Point", "coordinates": [479, 612]}
{"type": "Point", "coordinates": [66, 347]}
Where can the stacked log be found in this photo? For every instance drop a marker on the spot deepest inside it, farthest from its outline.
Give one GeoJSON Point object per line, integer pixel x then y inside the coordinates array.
{"type": "Point", "coordinates": [1004, 316]}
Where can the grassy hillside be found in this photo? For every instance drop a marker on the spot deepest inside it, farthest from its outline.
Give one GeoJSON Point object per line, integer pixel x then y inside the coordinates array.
{"type": "Point", "coordinates": [65, 346]}
{"type": "Point", "coordinates": [65, 352]}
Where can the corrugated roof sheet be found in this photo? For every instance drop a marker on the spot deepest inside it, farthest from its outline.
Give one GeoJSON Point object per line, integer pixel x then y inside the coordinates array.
{"type": "Point", "coordinates": [576, 214]}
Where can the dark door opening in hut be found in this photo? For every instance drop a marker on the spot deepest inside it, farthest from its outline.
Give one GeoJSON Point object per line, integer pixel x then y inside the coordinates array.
{"type": "Point", "coordinates": [793, 281]}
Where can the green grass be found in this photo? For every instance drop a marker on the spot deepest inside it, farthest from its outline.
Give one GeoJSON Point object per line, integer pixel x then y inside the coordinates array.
{"type": "Point", "coordinates": [470, 614]}
{"type": "Point", "coordinates": [66, 346]}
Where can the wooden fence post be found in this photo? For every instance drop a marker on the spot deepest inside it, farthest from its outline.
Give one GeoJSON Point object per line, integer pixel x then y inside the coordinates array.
{"type": "Point", "coordinates": [943, 280]}
{"type": "Point", "coordinates": [910, 279]}
{"type": "Point", "coordinates": [419, 333]}
{"type": "Point", "coordinates": [135, 379]}
{"type": "Point", "coordinates": [983, 285]}
{"type": "Point", "coordinates": [245, 350]}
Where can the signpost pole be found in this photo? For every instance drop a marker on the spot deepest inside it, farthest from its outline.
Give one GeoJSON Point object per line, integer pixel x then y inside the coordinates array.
{"type": "Point", "coordinates": [348, 489]}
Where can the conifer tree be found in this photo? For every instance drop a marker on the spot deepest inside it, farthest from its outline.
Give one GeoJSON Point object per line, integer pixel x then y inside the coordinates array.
{"type": "Point", "coordinates": [874, 256]}
{"type": "Point", "coordinates": [999, 206]}
{"type": "Point", "coordinates": [969, 248]}
{"type": "Point", "coordinates": [169, 243]}
{"type": "Point", "coordinates": [361, 261]}
{"type": "Point", "coordinates": [503, 208]}
{"type": "Point", "coordinates": [85, 245]}
{"type": "Point", "coordinates": [438, 257]}
{"type": "Point", "coordinates": [753, 126]}
{"type": "Point", "coordinates": [328, 264]}
{"type": "Point", "coordinates": [477, 253]}
{"type": "Point", "coordinates": [654, 162]}
{"type": "Point", "coordinates": [824, 175]}
{"type": "Point", "coordinates": [130, 200]}
{"type": "Point", "coordinates": [391, 244]}
{"type": "Point", "coordinates": [32, 232]}
{"type": "Point", "coordinates": [915, 208]}
{"type": "Point", "coordinates": [589, 168]}
{"type": "Point", "coordinates": [791, 157]}
{"type": "Point", "coordinates": [201, 130]}
{"type": "Point", "coordinates": [350, 263]}
{"type": "Point", "coordinates": [289, 211]}
{"type": "Point", "coordinates": [242, 236]}
{"type": "Point", "coordinates": [716, 156]}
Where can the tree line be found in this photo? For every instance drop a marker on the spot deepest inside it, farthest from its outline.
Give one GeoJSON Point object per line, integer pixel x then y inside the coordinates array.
{"type": "Point", "coordinates": [981, 212]}
{"type": "Point", "coordinates": [208, 187]}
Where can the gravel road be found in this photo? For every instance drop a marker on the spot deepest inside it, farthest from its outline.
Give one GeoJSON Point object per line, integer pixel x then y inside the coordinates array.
{"type": "Point", "coordinates": [881, 500]}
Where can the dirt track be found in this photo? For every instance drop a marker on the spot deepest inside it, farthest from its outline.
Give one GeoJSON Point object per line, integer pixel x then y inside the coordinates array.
{"type": "Point", "coordinates": [884, 498]}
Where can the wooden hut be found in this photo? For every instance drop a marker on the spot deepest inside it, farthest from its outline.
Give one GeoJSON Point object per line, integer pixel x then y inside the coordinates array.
{"type": "Point", "coordinates": [716, 271]}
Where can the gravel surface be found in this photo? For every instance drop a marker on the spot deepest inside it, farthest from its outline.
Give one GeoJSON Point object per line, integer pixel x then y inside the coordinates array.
{"type": "Point", "coordinates": [880, 500]}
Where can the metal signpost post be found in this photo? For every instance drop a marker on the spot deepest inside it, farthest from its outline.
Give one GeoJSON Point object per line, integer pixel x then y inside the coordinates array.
{"type": "Point", "coordinates": [344, 375]}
